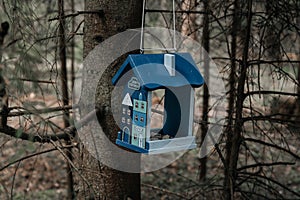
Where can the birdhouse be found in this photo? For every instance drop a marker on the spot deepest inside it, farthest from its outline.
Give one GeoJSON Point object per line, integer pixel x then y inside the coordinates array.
{"type": "Point", "coordinates": [140, 75]}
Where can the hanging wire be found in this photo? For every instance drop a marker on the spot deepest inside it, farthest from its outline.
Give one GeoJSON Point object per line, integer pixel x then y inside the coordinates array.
{"type": "Point", "coordinates": [142, 48]}
{"type": "Point", "coordinates": [174, 26]}
{"type": "Point", "coordinates": [142, 29]}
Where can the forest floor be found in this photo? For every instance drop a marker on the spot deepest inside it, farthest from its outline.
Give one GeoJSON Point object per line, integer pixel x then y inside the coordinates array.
{"type": "Point", "coordinates": [39, 177]}
{"type": "Point", "coordinates": [44, 176]}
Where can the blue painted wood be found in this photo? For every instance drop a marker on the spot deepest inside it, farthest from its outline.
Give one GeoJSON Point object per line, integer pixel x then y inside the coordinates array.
{"type": "Point", "coordinates": [130, 146]}
{"type": "Point", "coordinates": [173, 114]}
{"type": "Point", "coordinates": [142, 73]}
{"type": "Point", "coordinates": [151, 72]}
{"type": "Point", "coordinates": [162, 146]}
{"type": "Point", "coordinates": [186, 106]}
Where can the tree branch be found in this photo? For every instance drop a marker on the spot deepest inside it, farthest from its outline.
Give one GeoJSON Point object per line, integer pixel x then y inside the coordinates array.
{"type": "Point", "coordinates": [32, 80]}
{"type": "Point", "coordinates": [33, 155]}
{"type": "Point", "coordinates": [257, 62]}
{"type": "Point", "coordinates": [265, 164]}
{"type": "Point", "coordinates": [62, 135]}
{"type": "Point", "coordinates": [164, 190]}
{"type": "Point", "coordinates": [273, 181]}
{"type": "Point", "coordinates": [272, 145]}
{"type": "Point", "coordinates": [99, 12]}
{"type": "Point", "coordinates": [271, 92]}
{"type": "Point", "coordinates": [39, 111]}
{"type": "Point", "coordinates": [20, 134]}
{"type": "Point", "coordinates": [177, 11]}
{"type": "Point", "coordinates": [269, 118]}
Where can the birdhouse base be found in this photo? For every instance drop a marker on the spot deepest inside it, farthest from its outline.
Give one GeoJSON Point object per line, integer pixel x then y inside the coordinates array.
{"type": "Point", "coordinates": [162, 146]}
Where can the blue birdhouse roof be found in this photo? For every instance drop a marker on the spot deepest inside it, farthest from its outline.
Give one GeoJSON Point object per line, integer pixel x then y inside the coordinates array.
{"type": "Point", "coordinates": [152, 74]}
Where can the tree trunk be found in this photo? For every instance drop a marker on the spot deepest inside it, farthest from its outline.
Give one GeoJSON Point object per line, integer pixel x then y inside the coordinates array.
{"type": "Point", "coordinates": [231, 108]}
{"type": "Point", "coordinates": [236, 139]}
{"type": "Point", "coordinates": [102, 182]}
{"type": "Point", "coordinates": [65, 95]}
{"type": "Point", "coordinates": [73, 46]}
{"type": "Point", "coordinates": [298, 79]}
{"type": "Point", "coordinates": [3, 93]}
{"type": "Point", "coordinates": [205, 109]}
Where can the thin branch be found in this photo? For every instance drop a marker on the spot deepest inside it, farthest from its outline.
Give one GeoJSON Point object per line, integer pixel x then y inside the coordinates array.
{"type": "Point", "coordinates": [32, 80]}
{"type": "Point", "coordinates": [272, 145]}
{"type": "Point", "coordinates": [62, 135]}
{"type": "Point", "coordinates": [164, 190]}
{"type": "Point", "coordinates": [265, 165]}
{"type": "Point", "coordinates": [13, 181]}
{"type": "Point", "coordinates": [256, 62]}
{"type": "Point", "coordinates": [273, 181]}
{"type": "Point", "coordinates": [70, 162]}
{"type": "Point", "coordinates": [20, 134]}
{"type": "Point", "coordinates": [5, 190]}
{"type": "Point", "coordinates": [269, 118]}
{"type": "Point", "coordinates": [177, 11]}
{"type": "Point", "coordinates": [74, 32]}
{"type": "Point", "coordinates": [33, 155]}
{"type": "Point", "coordinates": [39, 111]}
{"type": "Point", "coordinates": [98, 12]}
{"type": "Point", "coordinates": [12, 42]}
{"type": "Point", "coordinates": [271, 92]}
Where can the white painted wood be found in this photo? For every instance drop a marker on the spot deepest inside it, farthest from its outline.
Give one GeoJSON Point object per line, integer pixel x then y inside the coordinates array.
{"type": "Point", "coordinates": [149, 106]}
{"type": "Point", "coordinates": [169, 62]}
{"type": "Point", "coordinates": [191, 116]}
{"type": "Point", "coordinates": [175, 144]}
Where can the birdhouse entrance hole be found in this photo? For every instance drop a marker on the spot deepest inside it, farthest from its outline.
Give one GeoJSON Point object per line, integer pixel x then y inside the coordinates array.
{"type": "Point", "coordinates": [157, 114]}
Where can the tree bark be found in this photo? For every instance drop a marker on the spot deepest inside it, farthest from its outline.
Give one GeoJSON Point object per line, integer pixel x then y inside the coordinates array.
{"type": "Point", "coordinates": [205, 105]}
{"type": "Point", "coordinates": [63, 61]}
{"type": "Point", "coordinates": [298, 77]}
{"type": "Point", "coordinates": [3, 93]}
{"type": "Point", "coordinates": [231, 100]}
{"type": "Point", "coordinates": [102, 182]}
{"type": "Point", "coordinates": [236, 139]}
{"type": "Point", "coordinates": [65, 95]}
{"type": "Point", "coordinates": [73, 46]}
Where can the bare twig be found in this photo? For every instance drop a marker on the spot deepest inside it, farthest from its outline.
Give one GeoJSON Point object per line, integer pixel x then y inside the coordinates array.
{"type": "Point", "coordinates": [13, 181]}
{"type": "Point", "coordinates": [271, 92]}
{"type": "Point", "coordinates": [177, 11]}
{"type": "Point", "coordinates": [265, 165]}
{"type": "Point", "coordinates": [270, 118]}
{"type": "Point", "coordinates": [98, 12]}
{"type": "Point", "coordinates": [256, 62]}
{"type": "Point", "coordinates": [164, 190]}
{"type": "Point", "coordinates": [32, 80]}
{"type": "Point", "coordinates": [273, 145]}
{"type": "Point", "coordinates": [71, 163]}
{"type": "Point", "coordinates": [20, 134]}
{"type": "Point", "coordinates": [273, 181]}
{"type": "Point", "coordinates": [39, 111]}
{"type": "Point", "coordinates": [33, 155]}
{"type": "Point", "coordinates": [62, 135]}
